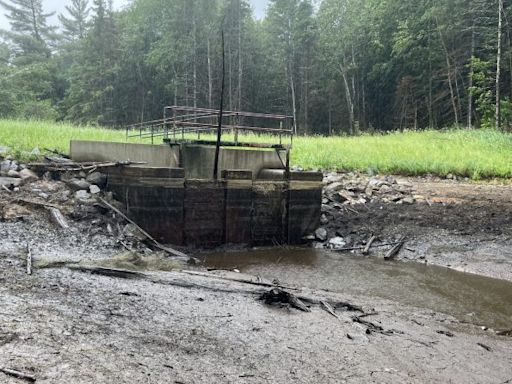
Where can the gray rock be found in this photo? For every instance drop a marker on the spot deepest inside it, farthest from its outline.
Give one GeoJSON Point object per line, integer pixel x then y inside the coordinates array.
{"type": "Point", "coordinates": [409, 200]}
{"type": "Point", "coordinates": [12, 173]}
{"type": "Point", "coordinates": [83, 196]}
{"type": "Point", "coordinates": [131, 230]}
{"type": "Point", "coordinates": [97, 178]}
{"type": "Point", "coordinates": [5, 166]}
{"type": "Point", "coordinates": [337, 242]}
{"type": "Point", "coordinates": [321, 234]}
{"type": "Point", "coordinates": [385, 189]}
{"type": "Point", "coordinates": [43, 195]}
{"type": "Point", "coordinates": [343, 196]}
{"type": "Point", "coordinates": [9, 182]}
{"type": "Point", "coordinates": [27, 176]}
{"type": "Point", "coordinates": [79, 184]}
{"type": "Point", "coordinates": [94, 189]}
{"type": "Point", "coordinates": [334, 187]}
{"type": "Point", "coordinates": [323, 219]}
{"type": "Point", "coordinates": [13, 166]}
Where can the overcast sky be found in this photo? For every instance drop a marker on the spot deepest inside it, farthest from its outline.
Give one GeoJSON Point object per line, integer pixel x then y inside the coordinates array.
{"type": "Point", "coordinates": [58, 6]}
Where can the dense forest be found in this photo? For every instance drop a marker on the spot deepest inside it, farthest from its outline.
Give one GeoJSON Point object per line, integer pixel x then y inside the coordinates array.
{"type": "Point", "coordinates": [338, 66]}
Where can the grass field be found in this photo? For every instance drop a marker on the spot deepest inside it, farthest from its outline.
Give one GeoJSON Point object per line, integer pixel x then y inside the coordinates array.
{"type": "Point", "coordinates": [477, 154]}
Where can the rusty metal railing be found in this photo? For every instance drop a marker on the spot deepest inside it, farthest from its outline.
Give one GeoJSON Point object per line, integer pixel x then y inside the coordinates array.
{"type": "Point", "coordinates": [182, 124]}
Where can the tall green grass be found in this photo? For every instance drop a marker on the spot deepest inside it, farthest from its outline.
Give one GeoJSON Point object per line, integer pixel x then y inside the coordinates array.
{"type": "Point", "coordinates": [476, 153]}
{"type": "Point", "coordinates": [22, 137]}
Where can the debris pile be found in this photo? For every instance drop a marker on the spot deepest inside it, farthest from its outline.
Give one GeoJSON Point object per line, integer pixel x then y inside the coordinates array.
{"type": "Point", "coordinates": [349, 192]}
{"type": "Point", "coordinates": [355, 189]}
{"type": "Point", "coordinates": [68, 194]}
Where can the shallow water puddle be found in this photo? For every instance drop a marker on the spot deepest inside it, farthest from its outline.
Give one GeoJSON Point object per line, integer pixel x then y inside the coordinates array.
{"type": "Point", "coordinates": [476, 299]}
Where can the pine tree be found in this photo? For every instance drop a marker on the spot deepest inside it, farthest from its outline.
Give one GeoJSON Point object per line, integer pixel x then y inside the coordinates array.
{"type": "Point", "coordinates": [30, 33]}
{"type": "Point", "coordinates": [75, 26]}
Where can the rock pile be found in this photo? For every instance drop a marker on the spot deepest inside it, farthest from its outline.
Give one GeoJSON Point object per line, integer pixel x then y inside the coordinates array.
{"type": "Point", "coordinates": [346, 192]}
{"type": "Point", "coordinates": [355, 188]}
{"type": "Point", "coordinates": [72, 195]}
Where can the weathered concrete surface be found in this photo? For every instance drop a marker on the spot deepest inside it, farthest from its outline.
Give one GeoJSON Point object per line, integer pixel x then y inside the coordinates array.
{"type": "Point", "coordinates": [153, 155]}
{"type": "Point", "coordinates": [204, 209]}
{"type": "Point", "coordinates": [269, 215]}
{"type": "Point", "coordinates": [304, 210]}
{"type": "Point", "coordinates": [198, 160]}
{"type": "Point", "coordinates": [153, 198]}
{"type": "Point", "coordinates": [208, 213]}
{"type": "Point", "coordinates": [238, 226]}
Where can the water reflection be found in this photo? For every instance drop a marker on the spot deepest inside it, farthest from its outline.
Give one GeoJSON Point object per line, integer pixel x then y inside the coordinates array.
{"type": "Point", "coordinates": [480, 300]}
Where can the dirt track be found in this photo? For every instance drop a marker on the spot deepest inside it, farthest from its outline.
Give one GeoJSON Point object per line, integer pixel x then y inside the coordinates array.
{"type": "Point", "coordinates": [66, 326]}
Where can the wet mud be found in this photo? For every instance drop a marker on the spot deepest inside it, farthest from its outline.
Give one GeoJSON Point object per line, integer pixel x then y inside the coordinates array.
{"type": "Point", "coordinates": [420, 322]}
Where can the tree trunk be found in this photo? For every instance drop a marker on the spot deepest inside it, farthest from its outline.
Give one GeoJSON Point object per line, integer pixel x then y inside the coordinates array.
{"type": "Point", "coordinates": [294, 101]}
{"type": "Point", "coordinates": [240, 66]}
{"type": "Point", "coordinates": [210, 80]}
{"type": "Point", "coordinates": [350, 102]}
{"type": "Point", "coordinates": [449, 73]}
{"type": "Point", "coordinates": [498, 67]}
{"type": "Point", "coordinates": [471, 75]}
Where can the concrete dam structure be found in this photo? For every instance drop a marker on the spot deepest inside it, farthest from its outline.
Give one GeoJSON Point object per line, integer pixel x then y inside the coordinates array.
{"type": "Point", "coordinates": [256, 199]}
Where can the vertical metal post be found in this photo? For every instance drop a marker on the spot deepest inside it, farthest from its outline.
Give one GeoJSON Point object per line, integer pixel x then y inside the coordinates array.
{"type": "Point", "coordinates": [237, 119]}
{"type": "Point", "coordinates": [280, 132]}
{"type": "Point", "coordinates": [219, 129]}
{"type": "Point", "coordinates": [166, 125]}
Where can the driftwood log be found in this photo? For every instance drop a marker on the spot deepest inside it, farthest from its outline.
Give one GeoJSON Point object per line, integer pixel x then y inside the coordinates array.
{"type": "Point", "coordinates": [279, 296]}
{"type": "Point", "coordinates": [393, 252]}
{"type": "Point", "coordinates": [18, 374]}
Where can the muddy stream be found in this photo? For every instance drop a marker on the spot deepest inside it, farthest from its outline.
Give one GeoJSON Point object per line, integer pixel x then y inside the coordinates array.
{"type": "Point", "coordinates": [468, 297]}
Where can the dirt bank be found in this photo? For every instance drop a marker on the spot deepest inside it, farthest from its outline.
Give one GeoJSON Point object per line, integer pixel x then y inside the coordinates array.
{"type": "Point", "coordinates": [461, 225]}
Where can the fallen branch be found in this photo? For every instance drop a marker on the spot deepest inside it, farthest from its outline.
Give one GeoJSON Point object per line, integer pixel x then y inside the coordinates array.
{"type": "Point", "coordinates": [37, 203]}
{"type": "Point", "coordinates": [56, 152]}
{"type": "Point", "coordinates": [366, 249]}
{"type": "Point", "coordinates": [391, 254]}
{"type": "Point", "coordinates": [111, 272]}
{"type": "Point", "coordinates": [75, 167]}
{"type": "Point", "coordinates": [277, 295]}
{"type": "Point", "coordinates": [328, 307]}
{"type": "Point", "coordinates": [57, 217]}
{"type": "Point", "coordinates": [151, 238]}
{"type": "Point", "coordinates": [363, 247]}
{"type": "Point", "coordinates": [29, 260]}
{"type": "Point", "coordinates": [237, 280]}
{"type": "Point", "coordinates": [18, 374]}
{"type": "Point", "coordinates": [6, 189]}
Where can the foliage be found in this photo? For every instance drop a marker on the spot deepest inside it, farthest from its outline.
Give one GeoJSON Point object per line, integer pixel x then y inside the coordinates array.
{"type": "Point", "coordinates": [337, 66]}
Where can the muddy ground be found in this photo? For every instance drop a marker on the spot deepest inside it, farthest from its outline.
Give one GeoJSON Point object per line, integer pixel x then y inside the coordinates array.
{"type": "Point", "coordinates": [462, 225]}
{"type": "Point", "coordinates": [63, 324]}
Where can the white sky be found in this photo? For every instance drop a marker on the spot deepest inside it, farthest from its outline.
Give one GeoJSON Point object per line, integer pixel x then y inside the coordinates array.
{"type": "Point", "coordinates": [58, 6]}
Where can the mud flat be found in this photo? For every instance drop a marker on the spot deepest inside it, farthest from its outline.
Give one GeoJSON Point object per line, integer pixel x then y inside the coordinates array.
{"type": "Point", "coordinates": [65, 326]}
{"type": "Point", "coordinates": [368, 320]}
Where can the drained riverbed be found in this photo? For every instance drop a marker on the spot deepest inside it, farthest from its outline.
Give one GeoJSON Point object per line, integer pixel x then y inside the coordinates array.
{"type": "Point", "coordinates": [470, 298]}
